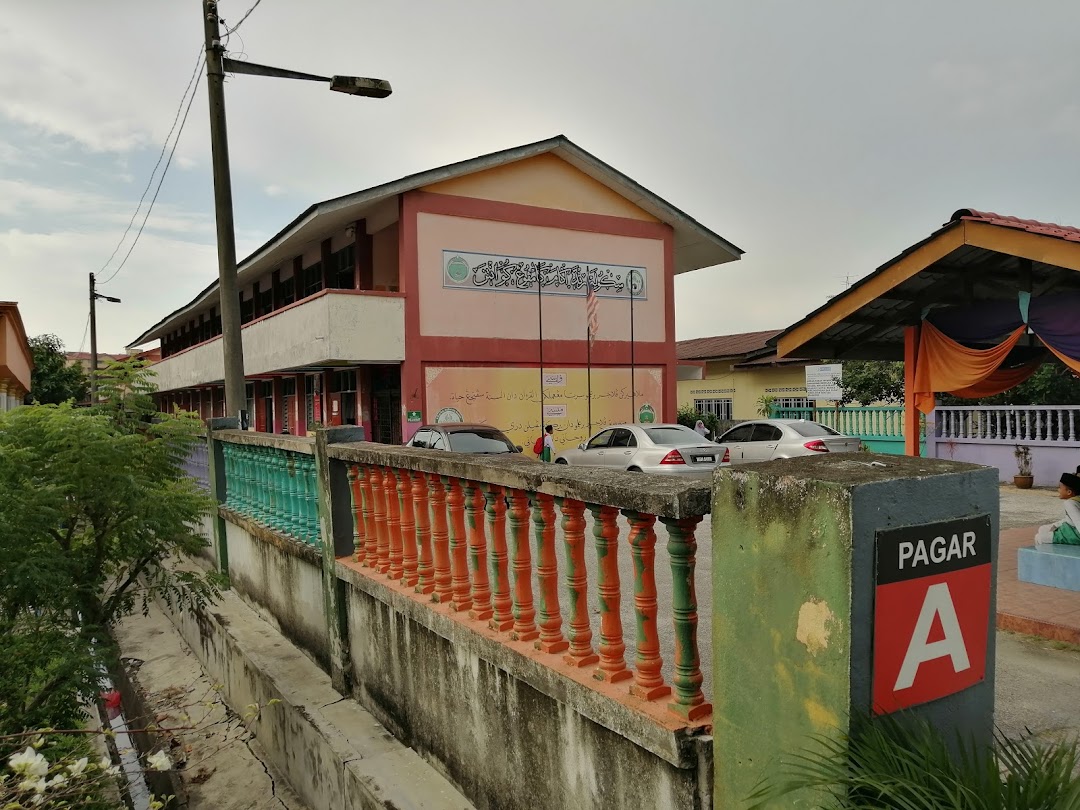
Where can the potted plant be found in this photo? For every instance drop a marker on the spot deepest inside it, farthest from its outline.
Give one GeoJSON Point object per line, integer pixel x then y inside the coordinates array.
{"type": "Point", "coordinates": [1023, 478]}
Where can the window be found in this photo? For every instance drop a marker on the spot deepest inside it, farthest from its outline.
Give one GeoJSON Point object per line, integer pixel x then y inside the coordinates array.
{"type": "Point", "coordinates": [600, 440]}
{"type": "Point", "coordinates": [341, 268]}
{"type": "Point", "coordinates": [439, 443]}
{"type": "Point", "coordinates": [720, 408]}
{"type": "Point", "coordinates": [480, 441]}
{"type": "Point", "coordinates": [288, 396]}
{"type": "Point", "coordinates": [738, 434]}
{"type": "Point", "coordinates": [766, 433]}
{"type": "Point", "coordinates": [312, 280]}
{"type": "Point", "coordinates": [792, 402]}
{"type": "Point", "coordinates": [812, 429]}
{"type": "Point", "coordinates": [247, 309]}
{"type": "Point", "coordinates": [623, 438]}
{"type": "Point", "coordinates": [674, 436]}
{"type": "Point", "coordinates": [422, 439]}
{"type": "Point", "coordinates": [288, 291]}
{"type": "Point", "coordinates": [266, 302]}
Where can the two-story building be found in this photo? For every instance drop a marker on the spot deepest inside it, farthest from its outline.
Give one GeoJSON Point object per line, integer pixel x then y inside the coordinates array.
{"type": "Point", "coordinates": [521, 288]}
{"type": "Point", "coordinates": [16, 360]}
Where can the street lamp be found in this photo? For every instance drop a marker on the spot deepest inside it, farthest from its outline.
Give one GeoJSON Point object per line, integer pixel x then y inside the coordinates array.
{"type": "Point", "coordinates": [228, 301]}
{"type": "Point", "coordinates": [94, 297]}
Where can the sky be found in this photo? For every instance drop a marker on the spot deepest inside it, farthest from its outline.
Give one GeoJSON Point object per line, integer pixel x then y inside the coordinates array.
{"type": "Point", "coordinates": [822, 138]}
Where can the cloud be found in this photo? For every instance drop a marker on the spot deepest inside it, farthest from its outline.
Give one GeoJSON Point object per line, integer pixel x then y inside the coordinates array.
{"type": "Point", "coordinates": [273, 190]}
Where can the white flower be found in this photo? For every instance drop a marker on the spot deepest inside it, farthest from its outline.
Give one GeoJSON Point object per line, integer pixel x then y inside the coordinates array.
{"type": "Point", "coordinates": [76, 768]}
{"type": "Point", "coordinates": [38, 799]}
{"type": "Point", "coordinates": [29, 763]}
{"type": "Point", "coordinates": [57, 780]}
{"type": "Point", "coordinates": [159, 761]}
{"type": "Point", "coordinates": [35, 785]}
{"type": "Point", "coordinates": [112, 770]}
{"type": "Point", "coordinates": [104, 763]}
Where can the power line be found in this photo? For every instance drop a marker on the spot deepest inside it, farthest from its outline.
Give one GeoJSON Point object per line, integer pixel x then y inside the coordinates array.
{"type": "Point", "coordinates": [246, 15]}
{"type": "Point", "coordinates": [150, 181]}
{"type": "Point", "coordinates": [157, 190]}
{"type": "Point", "coordinates": [85, 330]}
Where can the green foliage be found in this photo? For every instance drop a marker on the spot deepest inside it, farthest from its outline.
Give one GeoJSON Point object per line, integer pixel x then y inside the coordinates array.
{"type": "Point", "coordinates": [906, 764]}
{"type": "Point", "coordinates": [765, 405]}
{"type": "Point", "coordinates": [53, 381]}
{"type": "Point", "coordinates": [95, 504]}
{"type": "Point", "coordinates": [689, 416]}
{"type": "Point", "coordinates": [870, 381]}
{"type": "Point", "coordinates": [1052, 384]}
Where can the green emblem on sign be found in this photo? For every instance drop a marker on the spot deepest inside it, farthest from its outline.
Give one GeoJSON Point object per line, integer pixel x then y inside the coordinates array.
{"type": "Point", "coordinates": [448, 415]}
{"type": "Point", "coordinates": [458, 269]}
{"type": "Point", "coordinates": [414, 416]}
{"type": "Point", "coordinates": [636, 282]}
{"type": "Point", "coordinates": [646, 415]}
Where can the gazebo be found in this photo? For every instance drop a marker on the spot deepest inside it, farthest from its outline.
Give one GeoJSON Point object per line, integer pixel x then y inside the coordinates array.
{"type": "Point", "coordinates": [973, 310]}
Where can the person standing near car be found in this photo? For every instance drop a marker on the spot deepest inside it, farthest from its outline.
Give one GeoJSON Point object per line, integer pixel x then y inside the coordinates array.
{"type": "Point", "coordinates": [547, 452]}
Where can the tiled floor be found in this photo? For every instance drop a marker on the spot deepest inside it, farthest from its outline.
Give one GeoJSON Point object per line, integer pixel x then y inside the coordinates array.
{"type": "Point", "coordinates": [1034, 609]}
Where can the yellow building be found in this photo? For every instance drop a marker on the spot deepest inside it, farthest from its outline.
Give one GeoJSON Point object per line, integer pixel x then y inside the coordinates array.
{"type": "Point", "coordinates": [728, 375]}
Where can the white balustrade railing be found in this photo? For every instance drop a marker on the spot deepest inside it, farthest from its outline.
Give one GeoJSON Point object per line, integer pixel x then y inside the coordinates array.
{"type": "Point", "coordinates": [1008, 423]}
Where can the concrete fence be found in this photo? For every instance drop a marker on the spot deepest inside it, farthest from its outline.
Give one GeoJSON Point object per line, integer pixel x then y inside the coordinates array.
{"type": "Point", "coordinates": [532, 630]}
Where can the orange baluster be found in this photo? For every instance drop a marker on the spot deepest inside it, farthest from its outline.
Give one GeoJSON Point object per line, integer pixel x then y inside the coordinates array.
{"type": "Point", "coordinates": [357, 512]}
{"type": "Point", "coordinates": [393, 522]}
{"type": "Point", "coordinates": [440, 540]}
{"type": "Point", "coordinates": [459, 560]}
{"type": "Point", "coordinates": [371, 535]}
{"type": "Point", "coordinates": [502, 604]}
{"type": "Point", "coordinates": [378, 499]}
{"type": "Point", "coordinates": [648, 682]}
{"type": "Point", "coordinates": [524, 615]}
{"type": "Point", "coordinates": [689, 701]}
{"type": "Point", "coordinates": [547, 573]}
{"type": "Point", "coordinates": [409, 575]}
{"type": "Point", "coordinates": [581, 652]}
{"type": "Point", "coordinates": [422, 514]}
{"type": "Point", "coordinates": [474, 519]}
{"type": "Point", "coordinates": [612, 649]}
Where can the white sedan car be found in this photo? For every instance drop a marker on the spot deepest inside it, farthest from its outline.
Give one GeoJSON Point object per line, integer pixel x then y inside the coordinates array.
{"type": "Point", "coordinates": [664, 449]}
{"type": "Point", "coordinates": [770, 439]}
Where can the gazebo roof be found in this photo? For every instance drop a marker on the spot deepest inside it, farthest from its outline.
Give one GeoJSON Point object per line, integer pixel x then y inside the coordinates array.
{"type": "Point", "coordinates": [976, 256]}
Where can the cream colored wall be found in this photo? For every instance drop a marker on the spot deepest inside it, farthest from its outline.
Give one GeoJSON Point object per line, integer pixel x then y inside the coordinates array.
{"type": "Point", "coordinates": [743, 386]}
{"type": "Point", "coordinates": [444, 312]}
{"type": "Point", "coordinates": [545, 181]}
{"type": "Point", "coordinates": [13, 357]}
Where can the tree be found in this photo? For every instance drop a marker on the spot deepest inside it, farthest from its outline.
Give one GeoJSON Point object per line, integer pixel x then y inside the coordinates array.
{"type": "Point", "coordinates": [53, 381]}
{"type": "Point", "coordinates": [869, 381]}
{"type": "Point", "coordinates": [96, 504]}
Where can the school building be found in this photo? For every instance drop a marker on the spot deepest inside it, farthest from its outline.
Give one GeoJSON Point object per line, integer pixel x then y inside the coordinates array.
{"type": "Point", "coordinates": [529, 286]}
{"type": "Point", "coordinates": [16, 360]}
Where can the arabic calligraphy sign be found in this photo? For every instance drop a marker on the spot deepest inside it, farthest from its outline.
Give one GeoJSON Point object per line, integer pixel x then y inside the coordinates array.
{"type": "Point", "coordinates": [498, 273]}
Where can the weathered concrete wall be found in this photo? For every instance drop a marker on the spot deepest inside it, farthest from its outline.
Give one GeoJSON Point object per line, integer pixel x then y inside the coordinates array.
{"type": "Point", "coordinates": [510, 732]}
{"type": "Point", "coordinates": [794, 573]}
{"type": "Point", "coordinates": [282, 580]}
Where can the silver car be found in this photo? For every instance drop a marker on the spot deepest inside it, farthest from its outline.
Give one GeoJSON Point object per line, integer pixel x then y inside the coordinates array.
{"type": "Point", "coordinates": [664, 449]}
{"type": "Point", "coordinates": [769, 439]}
{"type": "Point", "coordinates": [459, 437]}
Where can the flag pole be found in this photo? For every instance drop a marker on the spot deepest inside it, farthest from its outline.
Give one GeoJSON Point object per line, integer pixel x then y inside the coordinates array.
{"type": "Point", "coordinates": [540, 327]}
{"type": "Point", "coordinates": [588, 345]}
{"type": "Point", "coordinates": [633, 372]}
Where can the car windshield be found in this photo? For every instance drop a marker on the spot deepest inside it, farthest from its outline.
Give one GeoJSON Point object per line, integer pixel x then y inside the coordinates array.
{"type": "Point", "coordinates": [480, 441]}
{"type": "Point", "coordinates": [675, 436]}
{"type": "Point", "coordinates": [812, 429]}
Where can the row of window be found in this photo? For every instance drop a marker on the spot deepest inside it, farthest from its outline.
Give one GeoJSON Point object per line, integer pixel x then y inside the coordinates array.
{"type": "Point", "coordinates": [260, 300]}
{"type": "Point", "coordinates": [722, 408]}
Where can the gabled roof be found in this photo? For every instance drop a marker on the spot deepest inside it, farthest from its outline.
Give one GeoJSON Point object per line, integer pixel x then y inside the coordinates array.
{"type": "Point", "coordinates": [710, 348]}
{"type": "Point", "coordinates": [975, 256]}
{"type": "Point", "coordinates": [695, 245]}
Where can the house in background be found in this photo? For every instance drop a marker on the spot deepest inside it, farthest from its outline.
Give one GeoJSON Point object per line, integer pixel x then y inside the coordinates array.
{"type": "Point", "coordinates": [728, 375]}
{"type": "Point", "coordinates": [468, 293]}
{"type": "Point", "coordinates": [16, 360]}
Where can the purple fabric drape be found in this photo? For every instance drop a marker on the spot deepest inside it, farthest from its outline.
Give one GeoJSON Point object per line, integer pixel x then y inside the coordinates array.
{"type": "Point", "coordinates": [1055, 319]}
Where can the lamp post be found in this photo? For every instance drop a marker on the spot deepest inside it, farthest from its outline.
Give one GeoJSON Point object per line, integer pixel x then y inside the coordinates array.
{"type": "Point", "coordinates": [94, 296]}
{"type": "Point", "coordinates": [228, 299]}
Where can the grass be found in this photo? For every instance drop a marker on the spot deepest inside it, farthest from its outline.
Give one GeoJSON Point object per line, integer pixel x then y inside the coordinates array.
{"type": "Point", "coordinates": [905, 764]}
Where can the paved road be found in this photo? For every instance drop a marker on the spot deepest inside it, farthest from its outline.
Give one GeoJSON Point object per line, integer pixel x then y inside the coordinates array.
{"type": "Point", "coordinates": [1018, 508]}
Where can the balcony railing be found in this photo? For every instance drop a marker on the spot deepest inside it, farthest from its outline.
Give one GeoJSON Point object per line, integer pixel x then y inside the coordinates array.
{"type": "Point", "coordinates": [872, 422]}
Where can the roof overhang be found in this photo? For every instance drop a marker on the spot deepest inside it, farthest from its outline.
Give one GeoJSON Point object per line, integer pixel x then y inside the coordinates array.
{"type": "Point", "coordinates": [695, 245]}
{"type": "Point", "coordinates": [965, 261]}
{"type": "Point", "coordinates": [10, 309]}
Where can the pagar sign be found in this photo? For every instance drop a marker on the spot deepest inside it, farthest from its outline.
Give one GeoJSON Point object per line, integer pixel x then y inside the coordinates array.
{"type": "Point", "coordinates": [931, 611]}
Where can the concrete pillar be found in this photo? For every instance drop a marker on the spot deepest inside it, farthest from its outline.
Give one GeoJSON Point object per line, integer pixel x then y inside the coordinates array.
{"type": "Point", "coordinates": [218, 486]}
{"type": "Point", "coordinates": [843, 586]}
{"type": "Point", "coordinates": [336, 523]}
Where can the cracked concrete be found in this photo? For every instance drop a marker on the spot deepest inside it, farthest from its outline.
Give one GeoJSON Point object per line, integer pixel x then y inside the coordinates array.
{"type": "Point", "coordinates": [221, 764]}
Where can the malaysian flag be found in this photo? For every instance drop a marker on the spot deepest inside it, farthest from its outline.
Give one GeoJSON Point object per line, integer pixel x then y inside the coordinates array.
{"type": "Point", "coordinates": [590, 308]}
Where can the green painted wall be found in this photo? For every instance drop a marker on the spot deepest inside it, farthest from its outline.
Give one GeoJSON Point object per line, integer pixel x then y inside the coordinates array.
{"type": "Point", "coordinates": [781, 623]}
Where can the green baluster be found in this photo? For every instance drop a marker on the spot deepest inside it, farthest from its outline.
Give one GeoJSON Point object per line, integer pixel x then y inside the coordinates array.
{"type": "Point", "coordinates": [292, 500]}
{"type": "Point", "coordinates": [241, 477]}
{"type": "Point", "coordinates": [265, 460]}
{"type": "Point", "coordinates": [230, 496]}
{"type": "Point", "coordinates": [256, 483]}
{"type": "Point", "coordinates": [277, 504]}
{"type": "Point", "coordinates": [313, 502]}
{"type": "Point", "coordinates": [304, 500]}
{"type": "Point", "coordinates": [689, 701]}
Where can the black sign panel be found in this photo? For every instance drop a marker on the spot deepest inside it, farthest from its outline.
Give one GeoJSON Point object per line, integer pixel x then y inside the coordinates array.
{"type": "Point", "coordinates": [911, 552]}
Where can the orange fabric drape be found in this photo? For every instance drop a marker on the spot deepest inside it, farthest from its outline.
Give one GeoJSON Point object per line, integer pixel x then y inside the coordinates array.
{"type": "Point", "coordinates": [945, 365]}
{"type": "Point", "coordinates": [999, 382]}
{"type": "Point", "coordinates": [1074, 365]}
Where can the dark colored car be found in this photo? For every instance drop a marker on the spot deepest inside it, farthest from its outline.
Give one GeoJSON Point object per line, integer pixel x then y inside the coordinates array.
{"type": "Point", "coordinates": [458, 437]}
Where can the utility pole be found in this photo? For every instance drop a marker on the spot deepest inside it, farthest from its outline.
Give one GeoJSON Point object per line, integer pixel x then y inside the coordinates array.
{"type": "Point", "coordinates": [228, 302]}
{"type": "Point", "coordinates": [93, 342]}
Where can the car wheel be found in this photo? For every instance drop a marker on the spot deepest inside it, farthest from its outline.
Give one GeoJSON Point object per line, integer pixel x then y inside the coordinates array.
{"type": "Point", "coordinates": [633, 469]}
{"type": "Point", "coordinates": [560, 461]}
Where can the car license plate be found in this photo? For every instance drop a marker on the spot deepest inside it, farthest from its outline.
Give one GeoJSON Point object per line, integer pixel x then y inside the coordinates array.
{"type": "Point", "coordinates": [703, 459]}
